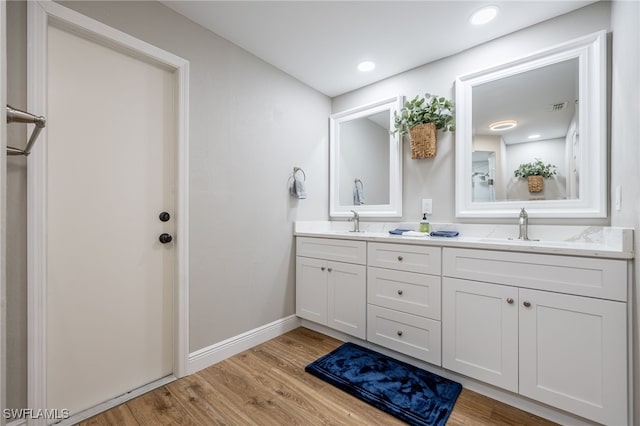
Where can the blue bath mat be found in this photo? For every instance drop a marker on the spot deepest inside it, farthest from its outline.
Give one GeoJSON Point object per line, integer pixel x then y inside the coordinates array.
{"type": "Point", "coordinates": [402, 390]}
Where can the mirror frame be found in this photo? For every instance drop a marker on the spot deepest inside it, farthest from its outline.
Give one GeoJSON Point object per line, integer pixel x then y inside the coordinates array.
{"type": "Point", "coordinates": [394, 207]}
{"type": "Point", "coordinates": [591, 52]}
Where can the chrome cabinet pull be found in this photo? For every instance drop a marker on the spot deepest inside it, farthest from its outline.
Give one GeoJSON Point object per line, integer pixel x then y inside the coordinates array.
{"type": "Point", "coordinates": [526, 304]}
{"type": "Point", "coordinates": [400, 292]}
{"type": "Point", "coordinates": [400, 333]}
{"type": "Point", "coordinates": [510, 300]}
{"type": "Point", "coordinates": [329, 269]}
{"type": "Point", "coordinates": [322, 268]}
{"type": "Point", "coordinates": [399, 258]}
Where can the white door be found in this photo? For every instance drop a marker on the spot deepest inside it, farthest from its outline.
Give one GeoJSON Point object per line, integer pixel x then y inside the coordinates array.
{"type": "Point", "coordinates": [110, 173]}
{"type": "Point", "coordinates": [347, 298]}
{"type": "Point", "coordinates": [311, 289]}
{"type": "Point", "coordinates": [480, 331]}
{"type": "Point", "coordinates": [571, 354]}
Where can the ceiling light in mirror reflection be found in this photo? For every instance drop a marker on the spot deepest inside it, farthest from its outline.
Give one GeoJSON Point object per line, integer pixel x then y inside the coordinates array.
{"type": "Point", "coordinates": [502, 125]}
{"type": "Point", "coordinates": [366, 66]}
{"type": "Point", "coordinates": [484, 15]}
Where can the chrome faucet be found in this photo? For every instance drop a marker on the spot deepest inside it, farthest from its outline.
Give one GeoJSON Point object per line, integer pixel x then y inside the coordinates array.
{"type": "Point", "coordinates": [523, 223]}
{"type": "Point", "coordinates": [356, 221]}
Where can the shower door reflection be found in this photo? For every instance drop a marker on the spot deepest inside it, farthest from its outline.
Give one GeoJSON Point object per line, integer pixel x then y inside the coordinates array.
{"type": "Point", "coordinates": [483, 176]}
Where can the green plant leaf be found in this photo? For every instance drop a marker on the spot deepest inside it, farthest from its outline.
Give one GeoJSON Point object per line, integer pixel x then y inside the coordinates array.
{"type": "Point", "coordinates": [429, 109]}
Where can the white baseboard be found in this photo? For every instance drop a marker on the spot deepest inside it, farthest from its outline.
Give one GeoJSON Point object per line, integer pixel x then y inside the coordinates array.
{"type": "Point", "coordinates": [215, 353]}
{"type": "Point", "coordinates": [90, 412]}
{"type": "Point", "coordinates": [83, 415]}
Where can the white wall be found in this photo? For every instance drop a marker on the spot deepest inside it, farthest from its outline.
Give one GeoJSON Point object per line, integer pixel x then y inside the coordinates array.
{"type": "Point", "coordinates": [625, 147]}
{"type": "Point", "coordinates": [434, 178]}
{"type": "Point", "coordinates": [249, 125]}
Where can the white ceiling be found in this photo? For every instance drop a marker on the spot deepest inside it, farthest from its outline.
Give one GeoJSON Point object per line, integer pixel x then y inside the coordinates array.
{"type": "Point", "coordinates": [321, 42]}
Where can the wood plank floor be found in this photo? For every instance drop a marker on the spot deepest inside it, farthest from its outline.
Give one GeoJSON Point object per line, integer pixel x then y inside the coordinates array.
{"type": "Point", "coordinates": [267, 385]}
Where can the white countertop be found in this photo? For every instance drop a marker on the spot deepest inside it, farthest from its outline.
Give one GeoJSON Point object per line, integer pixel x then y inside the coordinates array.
{"type": "Point", "coordinates": [588, 241]}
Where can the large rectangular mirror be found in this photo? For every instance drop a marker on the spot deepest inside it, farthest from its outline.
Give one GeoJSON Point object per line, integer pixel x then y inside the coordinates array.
{"type": "Point", "coordinates": [365, 161]}
{"type": "Point", "coordinates": [543, 110]}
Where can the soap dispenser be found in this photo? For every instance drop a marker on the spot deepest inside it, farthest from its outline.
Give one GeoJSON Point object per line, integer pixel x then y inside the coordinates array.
{"type": "Point", "coordinates": [424, 224]}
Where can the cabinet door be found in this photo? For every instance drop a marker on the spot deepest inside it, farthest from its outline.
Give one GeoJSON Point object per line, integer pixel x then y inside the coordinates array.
{"type": "Point", "coordinates": [347, 298]}
{"type": "Point", "coordinates": [311, 289]}
{"type": "Point", "coordinates": [573, 354]}
{"type": "Point", "coordinates": [480, 331]}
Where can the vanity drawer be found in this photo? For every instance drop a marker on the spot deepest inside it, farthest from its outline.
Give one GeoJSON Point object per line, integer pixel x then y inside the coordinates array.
{"type": "Point", "coordinates": [332, 249]}
{"type": "Point", "coordinates": [601, 278]}
{"type": "Point", "coordinates": [409, 334]}
{"type": "Point", "coordinates": [417, 294]}
{"type": "Point", "coordinates": [404, 257]}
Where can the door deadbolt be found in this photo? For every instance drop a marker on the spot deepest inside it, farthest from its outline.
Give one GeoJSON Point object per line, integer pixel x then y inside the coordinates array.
{"type": "Point", "coordinates": [164, 217]}
{"type": "Point", "coordinates": [165, 238]}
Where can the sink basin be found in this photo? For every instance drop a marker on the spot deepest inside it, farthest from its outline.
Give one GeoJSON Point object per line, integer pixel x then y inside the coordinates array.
{"type": "Point", "coordinates": [361, 234]}
{"type": "Point", "coordinates": [514, 241]}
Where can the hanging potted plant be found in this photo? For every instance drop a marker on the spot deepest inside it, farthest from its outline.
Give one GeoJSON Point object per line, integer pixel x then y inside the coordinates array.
{"type": "Point", "coordinates": [535, 172]}
{"type": "Point", "coordinates": [421, 118]}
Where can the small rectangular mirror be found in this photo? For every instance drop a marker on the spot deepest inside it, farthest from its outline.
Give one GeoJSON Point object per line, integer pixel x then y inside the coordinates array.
{"type": "Point", "coordinates": [365, 161]}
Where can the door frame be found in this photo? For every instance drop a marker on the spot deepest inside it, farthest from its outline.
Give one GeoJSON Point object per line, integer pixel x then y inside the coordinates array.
{"type": "Point", "coordinates": [3, 207]}
{"type": "Point", "coordinates": [40, 15]}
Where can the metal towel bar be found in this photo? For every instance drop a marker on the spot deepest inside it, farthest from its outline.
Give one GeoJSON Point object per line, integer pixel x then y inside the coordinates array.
{"type": "Point", "coordinates": [15, 115]}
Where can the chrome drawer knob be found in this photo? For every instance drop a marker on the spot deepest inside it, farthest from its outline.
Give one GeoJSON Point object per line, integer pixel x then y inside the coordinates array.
{"type": "Point", "coordinates": [510, 301]}
{"type": "Point", "coordinates": [399, 258]}
{"type": "Point", "coordinates": [329, 269]}
{"type": "Point", "coordinates": [322, 268]}
{"type": "Point", "coordinates": [400, 292]}
{"type": "Point", "coordinates": [400, 333]}
{"type": "Point", "coordinates": [526, 304]}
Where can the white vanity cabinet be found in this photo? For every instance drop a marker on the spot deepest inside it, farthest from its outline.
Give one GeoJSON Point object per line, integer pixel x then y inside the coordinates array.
{"type": "Point", "coordinates": [331, 283]}
{"type": "Point", "coordinates": [552, 328]}
{"type": "Point", "coordinates": [403, 295]}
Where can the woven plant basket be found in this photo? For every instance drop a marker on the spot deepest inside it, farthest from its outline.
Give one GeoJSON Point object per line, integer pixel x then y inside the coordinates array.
{"type": "Point", "coordinates": [423, 141]}
{"type": "Point", "coordinates": [535, 183]}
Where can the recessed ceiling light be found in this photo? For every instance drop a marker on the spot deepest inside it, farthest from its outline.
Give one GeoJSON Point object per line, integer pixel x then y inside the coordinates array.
{"type": "Point", "coordinates": [484, 15]}
{"type": "Point", "coordinates": [536, 136]}
{"type": "Point", "coordinates": [503, 125]}
{"type": "Point", "coordinates": [366, 66]}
